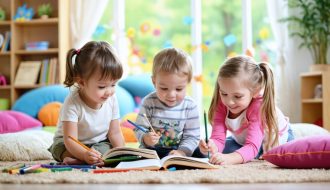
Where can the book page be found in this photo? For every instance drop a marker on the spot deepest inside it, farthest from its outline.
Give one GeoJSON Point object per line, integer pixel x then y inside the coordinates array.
{"type": "Point", "coordinates": [187, 161]}
{"type": "Point", "coordinates": [146, 153]}
{"type": "Point", "coordinates": [145, 163]}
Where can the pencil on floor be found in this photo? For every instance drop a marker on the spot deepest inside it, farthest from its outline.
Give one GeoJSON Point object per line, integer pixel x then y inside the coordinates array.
{"type": "Point", "coordinates": [153, 130]}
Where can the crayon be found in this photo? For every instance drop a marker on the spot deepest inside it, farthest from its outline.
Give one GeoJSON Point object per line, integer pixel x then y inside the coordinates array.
{"type": "Point", "coordinates": [13, 167]}
{"type": "Point", "coordinates": [99, 171]}
{"type": "Point", "coordinates": [68, 166]}
{"type": "Point", "coordinates": [61, 169]}
{"type": "Point", "coordinates": [29, 169]}
{"type": "Point", "coordinates": [40, 170]}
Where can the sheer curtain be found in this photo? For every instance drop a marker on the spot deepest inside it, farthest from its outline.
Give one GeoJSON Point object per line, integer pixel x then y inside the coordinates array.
{"type": "Point", "coordinates": [291, 61]}
{"type": "Point", "coordinates": [276, 10]}
{"type": "Point", "coordinates": [84, 18]}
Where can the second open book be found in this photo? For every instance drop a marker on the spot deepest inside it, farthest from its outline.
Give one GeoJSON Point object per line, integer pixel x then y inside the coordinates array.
{"type": "Point", "coordinates": [151, 161]}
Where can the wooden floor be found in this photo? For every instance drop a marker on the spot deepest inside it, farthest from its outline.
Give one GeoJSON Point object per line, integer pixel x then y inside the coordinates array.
{"type": "Point", "coordinates": [291, 186]}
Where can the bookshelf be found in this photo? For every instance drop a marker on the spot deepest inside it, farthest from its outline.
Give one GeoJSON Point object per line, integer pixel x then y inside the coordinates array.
{"type": "Point", "coordinates": [54, 30]}
{"type": "Point", "coordinates": [312, 108]}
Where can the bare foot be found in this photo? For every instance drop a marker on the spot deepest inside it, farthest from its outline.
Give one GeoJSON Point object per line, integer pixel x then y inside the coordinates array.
{"type": "Point", "coordinates": [72, 161]}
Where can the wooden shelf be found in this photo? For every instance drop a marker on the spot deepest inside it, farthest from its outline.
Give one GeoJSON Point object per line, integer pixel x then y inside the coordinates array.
{"type": "Point", "coordinates": [5, 23]}
{"type": "Point", "coordinates": [37, 22]}
{"type": "Point", "coordinates": [7, 87]}
{"type": "Point", "coordinates": [313, 109]}
{"type": "Point", "coordinates": [54, 30]}
{"type": "Point", "coordinates": [34, 52]}
{"type": "Point", "coordinates": [312, 100]}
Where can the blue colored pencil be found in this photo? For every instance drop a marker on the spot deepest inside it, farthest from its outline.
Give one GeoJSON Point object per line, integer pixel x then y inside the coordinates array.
{"type": "Point", "coordinates": [137, 126]}
{"type": "Point", "coordinates": [68, 166]}
{"type": "Point", "coordinates": [206, 136]}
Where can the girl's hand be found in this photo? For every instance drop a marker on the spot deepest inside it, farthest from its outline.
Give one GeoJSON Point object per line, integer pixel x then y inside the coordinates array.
{"type": "Point", "coordinates": [150, 139]}
{"type": "Point", "coordinates": [209, 147]}
{"type": "Point", "coordinates": [177, 152]}
{"type": "Point", "coordinates": [93, 157]}
{"type": "Point", "coordinates": [217, 159]}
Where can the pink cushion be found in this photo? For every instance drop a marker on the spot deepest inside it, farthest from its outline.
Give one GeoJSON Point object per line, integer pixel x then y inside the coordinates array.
{"type": "Point", "coordinates": [308, 152]}
{"type": "Point", "coordinates": [13, 121]}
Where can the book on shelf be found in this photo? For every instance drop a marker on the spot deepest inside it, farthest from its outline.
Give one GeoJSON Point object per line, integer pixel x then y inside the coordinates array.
{"type": "Point", "coordinates": [27, 73]}
{"type": "Point", "coordinates": [180, 162]}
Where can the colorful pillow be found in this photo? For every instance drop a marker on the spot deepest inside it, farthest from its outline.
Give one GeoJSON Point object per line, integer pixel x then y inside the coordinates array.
{"type": "Point", "coordinates": [307, 152]}
{"type": "Point", "coordinates": [49, 113]}
{"type": "Point", "coordinates": [128, 134]}
{"type": "Point", "coordinates": [13, 121]}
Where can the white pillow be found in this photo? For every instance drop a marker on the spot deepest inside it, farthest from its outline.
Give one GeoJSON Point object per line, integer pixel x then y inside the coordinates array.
{"type": "Point", "coordinates": [25, 145]}
{"type": "Point", "coordinates": [301, 130]}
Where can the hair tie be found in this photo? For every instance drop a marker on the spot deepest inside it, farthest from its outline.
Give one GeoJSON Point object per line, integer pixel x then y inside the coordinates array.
{"type": "Point", "coordinates": [258, 67]}
{"type": "Point", "coordinates": [77, 51]}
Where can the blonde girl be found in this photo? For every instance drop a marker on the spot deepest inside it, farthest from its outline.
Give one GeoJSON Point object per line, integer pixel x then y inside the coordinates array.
{"type": "Point", "coordinates": [244, 104]}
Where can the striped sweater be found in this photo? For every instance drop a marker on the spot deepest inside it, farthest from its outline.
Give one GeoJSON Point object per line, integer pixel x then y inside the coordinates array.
{"type": "Point", "coordinates": [178, 126]}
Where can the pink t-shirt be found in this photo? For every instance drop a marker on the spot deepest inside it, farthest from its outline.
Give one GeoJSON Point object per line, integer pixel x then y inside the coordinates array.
{"type": "Point", "coordinates": [251, 129]}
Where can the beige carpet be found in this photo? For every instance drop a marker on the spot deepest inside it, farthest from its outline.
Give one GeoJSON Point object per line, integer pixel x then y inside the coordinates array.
{"type": "Point", "coordinates": [253, 172]}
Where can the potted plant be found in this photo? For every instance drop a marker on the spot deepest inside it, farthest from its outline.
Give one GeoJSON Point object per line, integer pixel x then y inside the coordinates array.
{"type": "Point", "coordinates": [312, 26]}
{"type": "Point", "coordinates": [45, 10]}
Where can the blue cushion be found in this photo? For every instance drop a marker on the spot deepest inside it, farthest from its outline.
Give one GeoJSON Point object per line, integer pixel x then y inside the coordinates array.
{"type": "Point", "coordinates": [138, 85]}
{"type": "Point", "coordinates": [125, 101]}
{"type": "Point", "coordinates": [32, 101]}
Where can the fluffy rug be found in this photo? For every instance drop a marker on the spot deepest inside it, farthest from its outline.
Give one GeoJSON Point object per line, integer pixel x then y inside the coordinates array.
{"type": "Point", "coordinates": [253, 172]}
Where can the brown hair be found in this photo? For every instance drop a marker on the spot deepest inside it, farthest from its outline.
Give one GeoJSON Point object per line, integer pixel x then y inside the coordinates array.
{"type": "Point", "coordinates": [257, 77]}
{"type": "Point", "coordinates": [172, 60]}
{"type": "Point", "coordinates": [93, 56]}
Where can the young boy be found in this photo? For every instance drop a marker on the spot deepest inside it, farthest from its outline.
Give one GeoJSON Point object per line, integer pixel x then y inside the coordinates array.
{"type": "Point", "coordinates": [172, 114]}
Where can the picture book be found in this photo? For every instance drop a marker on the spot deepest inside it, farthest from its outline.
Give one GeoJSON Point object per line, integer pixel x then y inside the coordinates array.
{"type": "Point", "coordinates": [168, 162]}
{"type": "Point", "coordinates": [27, 73]}
{"type": "Point", "coordinates": [127, 151]}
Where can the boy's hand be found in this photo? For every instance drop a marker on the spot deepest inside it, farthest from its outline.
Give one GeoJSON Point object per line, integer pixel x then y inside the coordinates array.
{"type": "Point", "coordinates": [93, 157]}
{"type": "Point", "coordinates": [177, 152]}
{"type": "Point", "coordinates": [150, 139]}
{"type": "Point", "coordinates": [209, 147]}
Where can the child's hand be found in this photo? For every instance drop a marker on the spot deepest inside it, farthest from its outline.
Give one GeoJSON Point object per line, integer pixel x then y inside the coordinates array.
{"type": "Point", "coordinates": [150, 139]}
{"type": "Point", "coordinates": [209, 147]}
{"type": "Point", "coordinates": [218, 159]}
{"type": "Point", "coordinates": [93, 157]}
{"type": "Point", "coordinates": [177, 152]}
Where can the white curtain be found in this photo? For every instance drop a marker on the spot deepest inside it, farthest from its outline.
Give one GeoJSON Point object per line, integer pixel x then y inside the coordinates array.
{"type": "Point", "coordinates": [291, 61]}
{"type": "Point", "coordinates": [277, 10]}
{"type": "Point", "coordinates": [84, 18]}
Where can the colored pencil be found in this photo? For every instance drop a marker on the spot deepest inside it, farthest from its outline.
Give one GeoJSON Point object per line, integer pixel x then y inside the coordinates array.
{"type": "Point", "coordinates": [206, 136]}
{"type": "Point", "coordinates": [153, 130]}
{"type": "Point", "coordinates": [13, 167]}
{"type": "Point", "coordinates": [61, 169]}
{"type": "Point", "coordinates": [29, 169]}
{"type": "Point", "coordinates": [81, 144]}
{"type": "Point", "coordinates": [99, 171]}
{"type": "Point", "coordinates": [137, 126]}
{"type": "Point", "coordinates": [68, 166]}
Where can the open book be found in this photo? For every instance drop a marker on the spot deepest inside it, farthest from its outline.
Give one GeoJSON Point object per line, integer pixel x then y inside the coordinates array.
{"type": "Point", "coordinates": [127, 151]}
{"type": "Point", "coordinates": [168, 162]}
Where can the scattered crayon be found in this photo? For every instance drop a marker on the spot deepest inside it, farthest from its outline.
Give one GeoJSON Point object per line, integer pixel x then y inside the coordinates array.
{"type": "Point", "coordinates": [61, 169]}
{"type": "Point", "coordinates": [29, 169]}
{"type": "Point", "coordinates": [13, 167]}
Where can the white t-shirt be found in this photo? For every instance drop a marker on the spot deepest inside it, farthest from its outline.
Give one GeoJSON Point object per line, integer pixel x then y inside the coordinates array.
{"type": "Point", "coordinates": [93, 125]}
